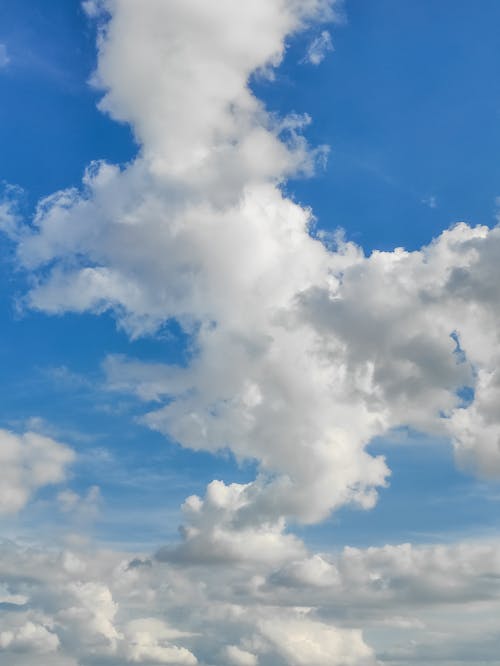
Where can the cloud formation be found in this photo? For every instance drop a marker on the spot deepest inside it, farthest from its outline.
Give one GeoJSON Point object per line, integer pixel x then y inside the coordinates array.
{"type": "Point", "coordinates": [29, 462]}
{"type": "Point", "coordinates": [92, 608]}
{"type": "Point", "coordinates": [319, 48]}
{"type": "Point", "coordinates": [302, 349]}
{"type": "Point", "coordinates": [197, 229]}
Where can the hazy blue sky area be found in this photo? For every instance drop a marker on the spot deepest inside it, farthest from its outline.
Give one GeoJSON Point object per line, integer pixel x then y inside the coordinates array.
{"type": "Point", "coordinates": [192, 344]}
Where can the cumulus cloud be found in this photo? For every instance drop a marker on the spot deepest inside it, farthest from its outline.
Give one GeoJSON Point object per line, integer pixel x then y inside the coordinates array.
{"type": "Point", "coordinates": [197, 229]}
{"type": "Point", "coordinates": [238, 657]}
{"type": "Point", "coordinates": [319, 48]}
{"type": "Point", "coordinates": [149, 641]}
{"type": "Point", "coordinates": [222, 529]}
{"type": "Point", "coordinates": [427, 602]}
{"type": "Point", "coordinates": [29, 637]}
{"type": "Point", "coordinates": [29, 462]}
{"type": "Point", "coordinates": [304, 349]}
{"type": "Point", "coordinates": [303, 642]}
{"type": "Point", "coordinates": [396, 576]}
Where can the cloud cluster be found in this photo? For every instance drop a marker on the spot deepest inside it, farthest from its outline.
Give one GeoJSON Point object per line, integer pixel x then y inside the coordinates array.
{"type": "Point", "coordinates": [301, 351]}
{"type": "Point", "coordinates": [97, 608]}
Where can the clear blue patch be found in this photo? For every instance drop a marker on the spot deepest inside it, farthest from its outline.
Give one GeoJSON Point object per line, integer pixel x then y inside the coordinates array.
{"type": "Point", "coordinates": [466, 395]}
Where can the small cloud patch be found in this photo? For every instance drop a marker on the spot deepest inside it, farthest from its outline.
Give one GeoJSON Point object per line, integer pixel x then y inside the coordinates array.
{"type": "Point", "coordinates": [319, 48]}
{"type": "Point", "coordinates": [431, 201]}
{"type": "Point", "coordinates": [4, 56]}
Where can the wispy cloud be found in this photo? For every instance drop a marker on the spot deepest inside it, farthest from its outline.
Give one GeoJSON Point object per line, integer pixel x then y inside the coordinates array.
{"type": "Point", "coordinates": [319, 48]}
{"type": "Point", "coordinates": [431, 201]}
{"type": "Point", "coordinates": [4, 56]}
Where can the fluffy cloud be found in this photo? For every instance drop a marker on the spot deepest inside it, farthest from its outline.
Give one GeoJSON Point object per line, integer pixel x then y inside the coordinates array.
{"type": "Point", "coordinates": [28, 463]}
{"type": "Point", "coordinates": [197, 58]}
{"type": "Point", "coordinates": [105, 611]}
{"type": "Point", "coordinates": [149, 641]}
{"type": "Point", "coordinates": [422, 326]}
{"type": "Point", "coordinates": [222, 528]}
{"type": "Point", "coordinates": [29, 637]}
{"type": "Point", "coordinates": [397, 576]}
{"type": "Point", "coordinates": [198, 230]}
{"type": "Point", "coordinates": [238, 657]}
{"type": "Point", "coordinates": [302, 642]}
{"type": "Point", "coordinates": [415, 604]}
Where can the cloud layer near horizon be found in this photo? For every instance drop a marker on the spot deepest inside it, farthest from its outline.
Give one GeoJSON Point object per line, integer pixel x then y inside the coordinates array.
{"type": "Point", "coordinates": [85, 607]}
{"type": "Point", "coordinates": [302, 351]}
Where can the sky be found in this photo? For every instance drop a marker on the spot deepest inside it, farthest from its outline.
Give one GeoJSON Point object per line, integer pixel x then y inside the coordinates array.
{"type": "Point", "coordinates": [249, 262]}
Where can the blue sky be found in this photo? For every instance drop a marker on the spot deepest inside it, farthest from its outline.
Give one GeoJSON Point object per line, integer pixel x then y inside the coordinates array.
{"type": "Point", "coordinates": [408, 102]}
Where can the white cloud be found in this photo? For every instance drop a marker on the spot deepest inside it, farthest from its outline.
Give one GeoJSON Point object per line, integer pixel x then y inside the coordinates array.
{"type": "Point", "coordinates": [222, 528]}
{"type": "Point", "coordinates": [92, 8]}
{"type": "Point", "coordinates": [305, 349]}
{"type": "Point", "coordinates": [27, 463]}
{"type": "Point", "coordinates": [235, 656]}
{"type": "Point", "coordinates": [304, 642]}
{"type": "Point", "coordinates": [392, 576]}
{"type": "Point", "coordinates": [201, 58]}
{"type": "Point", "coordinates": [374, 347]}
{"type": "Point", "coordinates": [88, 615]}
{"type": "Point", "coordinates": [10, 219]}
{"type": "Point", "coordinates": [416, 605]}
{"type": "Point", "coordinates": [146, 646]}
{"type": "Point", "coordinates": [201, 203]}
{"type": "Point", "coordinates": [319, 48]}
{"type": "Point", "coordinates": [149, 641]}
{"type": "Point", "coordinates": [30, 637]}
